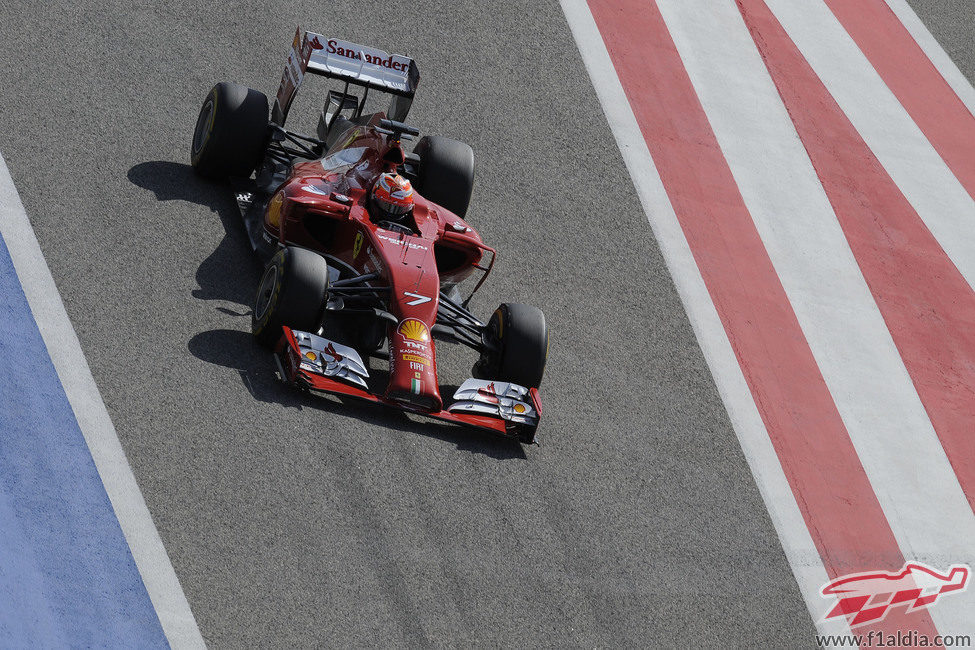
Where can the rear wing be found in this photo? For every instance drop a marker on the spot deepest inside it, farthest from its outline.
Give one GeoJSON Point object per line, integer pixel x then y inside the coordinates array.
{"type": "Point", "coordinates": [355, 64]}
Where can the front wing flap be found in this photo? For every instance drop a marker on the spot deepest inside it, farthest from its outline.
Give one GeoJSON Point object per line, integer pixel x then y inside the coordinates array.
{"type": "Point", "coordinates": [503, 400]}
{"type": "Point", "coordinates": [317, 355]}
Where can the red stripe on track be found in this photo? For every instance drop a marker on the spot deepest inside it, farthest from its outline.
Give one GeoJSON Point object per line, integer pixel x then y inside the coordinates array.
{"type": "Point", "coordinates": [830, 486]}
{"type": "Point", "coordinates": [930, 101]}
{"type": "Point", "coordinates": [926, 302]}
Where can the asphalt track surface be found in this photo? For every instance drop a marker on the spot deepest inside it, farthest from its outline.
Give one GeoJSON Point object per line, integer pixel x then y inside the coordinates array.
{"type": "Point", "coordinates": [293, 520]}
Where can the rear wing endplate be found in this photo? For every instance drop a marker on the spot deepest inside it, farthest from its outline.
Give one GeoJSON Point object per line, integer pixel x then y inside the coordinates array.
{"type": "Point", "coordinates": [349, 62]}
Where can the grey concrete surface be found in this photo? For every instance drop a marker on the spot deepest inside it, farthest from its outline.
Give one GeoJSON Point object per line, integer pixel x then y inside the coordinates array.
{"type": "Point", "coordinates": [304, 521]}
{"type": "Point", "coordinates": [953, 23]}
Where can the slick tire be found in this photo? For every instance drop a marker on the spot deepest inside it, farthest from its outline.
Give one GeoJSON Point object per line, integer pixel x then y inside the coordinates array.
{"type": "Point", "coordinates": [231, 132]}
{"type": "Point", "coordinates": [292, 292]}
{"type": "Point", "coordinates": [520, 338]}
{"type": "Point", "coordinates": [446, 173]}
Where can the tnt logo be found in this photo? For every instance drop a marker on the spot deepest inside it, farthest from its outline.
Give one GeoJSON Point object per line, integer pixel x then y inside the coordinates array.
{"type": "Point", "coordinates": [868, 597]}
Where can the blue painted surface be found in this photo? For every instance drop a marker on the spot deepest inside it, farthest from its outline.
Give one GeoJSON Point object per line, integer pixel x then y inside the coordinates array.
{"type": "Point", "coordinates": [67, 576]}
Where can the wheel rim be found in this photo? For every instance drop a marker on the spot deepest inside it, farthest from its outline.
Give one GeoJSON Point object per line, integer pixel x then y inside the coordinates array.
{"type": "Point", "coordinates": [264, 292]}
{"type": "Point", "coordinates": [203, 124]}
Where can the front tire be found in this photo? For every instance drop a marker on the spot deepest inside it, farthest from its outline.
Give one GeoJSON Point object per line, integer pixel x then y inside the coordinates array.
{"type": "Point", "coordinates": [292, 292]}
{"type": "Point", "coordinates": [518, 340]}
{"type": "Point", "coordinates": [446, 173]}
{"type": "Point", "coordinates": [231, 132]}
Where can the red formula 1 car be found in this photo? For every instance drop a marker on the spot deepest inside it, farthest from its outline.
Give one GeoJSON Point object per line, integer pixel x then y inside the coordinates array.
{"type": "Point", "coordinates": [366, 248]}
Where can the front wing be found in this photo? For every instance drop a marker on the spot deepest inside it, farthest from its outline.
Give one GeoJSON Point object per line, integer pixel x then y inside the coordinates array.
{"type": "Point", "coordinates": [315, 363]}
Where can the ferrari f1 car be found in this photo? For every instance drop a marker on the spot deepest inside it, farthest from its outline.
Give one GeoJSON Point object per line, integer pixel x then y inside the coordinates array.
{"type": "Point", "coordinates": [338, 282]}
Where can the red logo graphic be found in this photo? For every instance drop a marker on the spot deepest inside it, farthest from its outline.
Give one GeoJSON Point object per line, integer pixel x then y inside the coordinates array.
{"type": "Point", "coordinates": [868, 597]}
{"type": "Point", "coordinates": [490, 393]}
{"type": "Point", "coordinates": [330, 351]}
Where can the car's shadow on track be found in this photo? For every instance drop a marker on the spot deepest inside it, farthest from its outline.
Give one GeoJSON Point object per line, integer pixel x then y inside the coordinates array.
{"type": "Point", "coordinates": [237, 350]}
{"type": "Point", "coordinates": [171, 181]}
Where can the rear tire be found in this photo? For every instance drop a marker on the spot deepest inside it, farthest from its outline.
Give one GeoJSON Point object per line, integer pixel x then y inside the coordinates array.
{"type": "Point", "coordinates": [231, 132]}
{"type": "Point", "coordinates": [292, 292]}
{"type": "Point", "coordinates": [446, 173]}
{"type": "Point", "coordinates": [520, 338]}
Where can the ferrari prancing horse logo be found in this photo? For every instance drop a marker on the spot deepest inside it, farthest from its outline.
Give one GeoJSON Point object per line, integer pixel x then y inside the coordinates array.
{"type": "Point", "coordinates": [357, 245]}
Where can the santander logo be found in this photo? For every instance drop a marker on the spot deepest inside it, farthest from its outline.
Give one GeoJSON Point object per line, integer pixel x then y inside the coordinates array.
{"type": "Point", "coordinates": [868, 597]}
{"type": "Point", "coordinates": [343, 49]}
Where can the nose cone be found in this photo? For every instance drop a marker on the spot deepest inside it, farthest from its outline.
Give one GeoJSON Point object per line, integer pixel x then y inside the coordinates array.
{"type": "Point", "coordinates": [413, 366]}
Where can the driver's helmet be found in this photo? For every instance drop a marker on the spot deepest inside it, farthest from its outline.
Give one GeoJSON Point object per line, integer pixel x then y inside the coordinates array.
{"type": "Point", "coordinates": [392, 198]}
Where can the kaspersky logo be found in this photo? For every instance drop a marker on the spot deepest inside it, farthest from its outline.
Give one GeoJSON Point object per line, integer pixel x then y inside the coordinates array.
{"type": "Point", "coordinates": [868, 597]}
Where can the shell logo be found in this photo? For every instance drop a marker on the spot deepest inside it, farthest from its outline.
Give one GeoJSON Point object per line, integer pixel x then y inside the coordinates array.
{"type": "Point", "coordinates": [414, 329]}
{"type": "Point", "coordinates": [274, 210]}
{"type": "Point", "coordinates": [519, 408]}
{"type": "Point", "coordinates": [311, 355]}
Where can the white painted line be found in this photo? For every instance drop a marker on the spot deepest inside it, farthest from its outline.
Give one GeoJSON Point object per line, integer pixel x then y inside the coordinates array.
{"type": "Point", "coordinates": [800, 551]}
{"type": "Point", "coordinates": [65, 351]}
{"type": "Point", "coordinates": [870, 385]}
{"type": "Point", "coordinates": [918, 170]}
{"type": "Point", "coordinates": [955, 78]}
